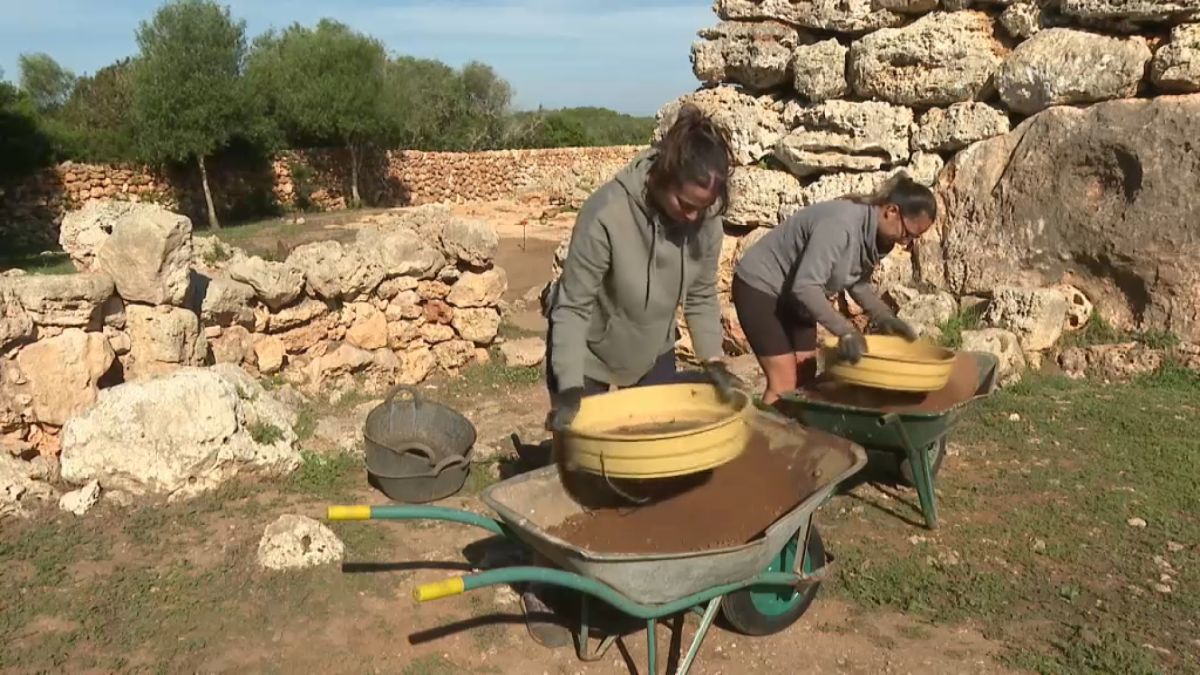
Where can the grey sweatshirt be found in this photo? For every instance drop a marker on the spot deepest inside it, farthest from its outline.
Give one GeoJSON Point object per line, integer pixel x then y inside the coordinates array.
{"type": "Point", "coordinates": [612, 310]}
{"type": "Point", "coordinates": [818, 252]}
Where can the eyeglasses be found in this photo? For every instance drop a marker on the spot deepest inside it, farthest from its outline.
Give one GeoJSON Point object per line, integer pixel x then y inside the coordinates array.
{"type": "Point", "coordinates": [907, 235]}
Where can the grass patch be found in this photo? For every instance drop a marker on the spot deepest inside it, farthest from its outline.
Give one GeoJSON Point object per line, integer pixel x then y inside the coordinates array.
{"type": "Point", "coordinates": [306, 423]}
{"type": "Point", "coordinates": [264, 433]}
{"type": "Point", "coordinates": [50, 262]}
{"type": "Point", "coordinates": [509, 331]}
{"type": "Point", "coordinates": [952, 328]}
{"type": "Point", "coordinates": [324, 476]}
{"type": "Point", "coordinates": [488, 378]}
{"type": "Point", "coordinates": [1074, 464]}
{"type": "Point", "coordinates": [1099, 331]}
{"type": "Point", "coordinates": [433, 664]}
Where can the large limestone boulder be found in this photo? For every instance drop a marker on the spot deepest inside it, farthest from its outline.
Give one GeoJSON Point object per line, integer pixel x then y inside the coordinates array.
{"type": "Point", "coordinates": [757, 195]}
{"type": "Point", "coordinates": [22, 484]}
{"type": "Point", "coordinates": [274, 283]}
{"type": "Point", "coordinates": [1005, 346]}
{"type": "Point", "coordinates": [162, 339]}
{"type": "Point", "coordinates": [928, 312]}
{"type": "Point", "coordinates": [178, 435]}
{"type": "Point", "coordinates": [61, 373]}
{"type": "Point", "coordinates": [1061, 66]}
{"type": "Point", "coordinates": [477, 324]}
{"type": "Point", "coordinates": [839, 16]}
{"type": "Point", "coordinates": [524, 353]}
{"type": "Point", "coordinates": [1023, 18]}
{"type": "Point", "coordinates": [1035, 315]}
{"type": "Point", "coordinates": [1150, 11]}
{"type": "Point", "coordinates": [819, 70]}
{"type": "Point", "coordinates": [334, 272]}
{"type": "Point", "coordinates": [368, 326]}
{"type": "Point", "coordinates": [149, 256]}
{"type": "Point", "coordinates": [84, 230]}
{"type": "Point", "coordinates": [471, 242]}
{"type": "Point", "coordinates": [940, 59]}
{"type": "Point", "coordinates": [478, 289]}
{"type": "Point", "coordinates": [304, 312]}
{"type": "Point", "coordinates": [756, 55]}
{"type": "Point", "coordinates": [753, 123]}
{"type": "Point", "coordinates": [1176, 65]}
{"type": "Point", "coordinates": [16, 325]}
{"type": "Point", "coordinates": [1116, 362]}
{"type": "Point", "coordinates": [954, 128]}
{"type": "Point", "coordinates": [222, 301]}
{"type": "Point", "coordinates": [402, 252]}
{"type": "Point", "coordinates": [838, 185]}
{"type": "Point", "coordinates": [1099, 172]}
{"type": "Point", "coordinates": [294, 542]}
{"type": "Point", "coordinates": [844, 136]}
{"type": "Point", "coordinates": [67, 300]}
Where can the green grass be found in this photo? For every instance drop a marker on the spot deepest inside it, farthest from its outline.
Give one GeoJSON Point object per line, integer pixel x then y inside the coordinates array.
{"type": "Point", "coordinates": [324, 476]}
{"type": "Point", "coordinates": [490, 379]}
{"type": "Point", "coordinates": [952, 329]}
{"type": "Point", "coordinates": [1099, 331]}
{"type": "Point", "coordinates": [264, 433]}
{"type": "Point", "coordinates": [56, 262]}
{"type": "Point", "coordinates": [1080, 461]}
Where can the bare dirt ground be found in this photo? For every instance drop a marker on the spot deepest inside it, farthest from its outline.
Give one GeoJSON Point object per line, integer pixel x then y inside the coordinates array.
{"type": "Point", "coordinates": [1034, 569]}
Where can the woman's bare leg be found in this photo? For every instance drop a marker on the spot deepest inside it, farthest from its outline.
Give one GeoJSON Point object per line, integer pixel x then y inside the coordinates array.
{"type": "Point", "coordinates": [781, 376]}
{"type": "Point", "coordinates": [806, 368]}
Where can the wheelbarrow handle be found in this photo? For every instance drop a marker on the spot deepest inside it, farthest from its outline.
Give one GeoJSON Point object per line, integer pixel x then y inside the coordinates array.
{"type": "Point", "coordinates": [357, 512]}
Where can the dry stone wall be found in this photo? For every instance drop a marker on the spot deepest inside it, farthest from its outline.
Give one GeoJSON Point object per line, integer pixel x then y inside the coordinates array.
{"type": "Point", "coordinates": [1053, 132]}
{"type": "Point", "coordinates": [31, 211]}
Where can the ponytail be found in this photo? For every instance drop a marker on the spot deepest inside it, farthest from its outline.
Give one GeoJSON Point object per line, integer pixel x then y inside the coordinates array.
{"type": "Point", "coordinates": [912, 198]}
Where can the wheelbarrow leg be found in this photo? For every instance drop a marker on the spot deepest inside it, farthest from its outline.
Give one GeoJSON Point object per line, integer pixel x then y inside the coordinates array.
{"type": "Point", "coordinates": [581, 649]}
{"type": "Point", "coordinates": [706, 621]}
{"type": "Point", "coordinates": [651, 647]}
{"type": "Point", "coordinates": [918, 458]}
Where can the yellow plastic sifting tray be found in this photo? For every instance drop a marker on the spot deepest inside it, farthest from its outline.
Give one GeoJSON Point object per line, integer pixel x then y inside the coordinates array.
{"type": "Point", "coordinates": [656, 431]}
{"type": "Point", "coordinates": [893, 363]}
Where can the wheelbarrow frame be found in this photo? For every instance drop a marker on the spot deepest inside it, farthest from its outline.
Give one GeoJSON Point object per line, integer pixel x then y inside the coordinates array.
{"type": "Point", "coordinates": [919, 436]}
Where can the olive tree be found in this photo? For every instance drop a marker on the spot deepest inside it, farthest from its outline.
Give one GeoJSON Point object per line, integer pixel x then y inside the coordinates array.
{"type": "Point", "coordinates": [45, 81]}
{"type": "Point", "coordinates": [188, 96]}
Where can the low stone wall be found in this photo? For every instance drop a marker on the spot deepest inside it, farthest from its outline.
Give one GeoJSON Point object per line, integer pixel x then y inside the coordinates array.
{"type": "Point", "coordinates": [415, 293]}
{"type": "Point", "coordinates": [31, 210]}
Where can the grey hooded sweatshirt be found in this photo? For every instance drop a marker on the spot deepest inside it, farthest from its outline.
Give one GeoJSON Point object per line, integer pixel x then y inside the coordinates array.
{"type": "Point", "coordinates": [818, 252]}
{"type": "Point", "coordinates": [628, 269]}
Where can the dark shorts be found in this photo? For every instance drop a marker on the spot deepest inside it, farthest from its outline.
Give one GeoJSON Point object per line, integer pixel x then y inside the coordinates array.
{"type": "Point", "coordinates": [664, 371]}
{"type": "Point", "coordinates": [774, 326]}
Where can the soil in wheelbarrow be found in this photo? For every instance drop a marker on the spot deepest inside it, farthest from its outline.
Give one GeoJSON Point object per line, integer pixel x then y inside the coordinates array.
{"type": "Point", "coordinates": [963, 383]}
{"type": "Point", "coordinates": [730, 505]}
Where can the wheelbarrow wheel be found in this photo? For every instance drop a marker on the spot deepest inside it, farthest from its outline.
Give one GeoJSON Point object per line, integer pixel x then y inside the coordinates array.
{"type": "Point", "coordinates": [760, 611]}
{"type": "Point", "coordinates": [906, 470]}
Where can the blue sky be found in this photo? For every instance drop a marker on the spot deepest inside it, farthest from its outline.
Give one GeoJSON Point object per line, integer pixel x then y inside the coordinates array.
{"type": "Point", "coordinates": [629, 55]}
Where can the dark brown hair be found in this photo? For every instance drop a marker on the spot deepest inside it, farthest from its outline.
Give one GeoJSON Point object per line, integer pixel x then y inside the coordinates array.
{"type": "Point", "coordinates": [693, 150]}
{"type": "Point", "coordinates": [911, 197]}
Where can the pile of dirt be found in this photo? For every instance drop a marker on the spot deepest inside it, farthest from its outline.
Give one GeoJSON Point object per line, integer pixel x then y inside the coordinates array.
{"type": "Point", "coordinates": [963, 383]}
{"type": "Point", "coordinates": [728, 506]}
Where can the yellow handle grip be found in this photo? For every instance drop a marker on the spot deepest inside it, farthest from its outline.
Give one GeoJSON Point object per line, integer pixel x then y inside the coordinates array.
{"type": "Point", "coordinates": [439, 589]}
{"type": "Point", "coordinates": [348, 513]}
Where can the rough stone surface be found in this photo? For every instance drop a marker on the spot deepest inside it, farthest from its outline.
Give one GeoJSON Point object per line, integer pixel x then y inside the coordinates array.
{"type": "Point", "coordinates": [472, 242]}
{"type": "Point", "coordinates": [1023, 19]}
{"type": "Point", "coordinates": [756, 55]}
{"type": "Point", "coordinates": [333, 271]}
{"type": "Point", "coordinates": [1095, 171]}
{"type": "Point", "coordinates": [1079, 308]}
{"type": "Point", "coordinates": [415, 364]}
{"type": "Point", "coordinates": [839, 16]}
{"type": "Point", "coordinates": [819, 70]}
{"type": "Point", "coordinates": [62, 373]}
{"type": "Point", "coordinates": [837, 185]}
{"type": "Point", "coordinates": [454, 354]}
{"type": "Point", "coordinates": [270, 354]}
{"type": "Point", "coordinates": [223, 301]}
{"type": "Point", "coordinates": [234, 345]}
{"type": "Point", "coordinates": [1061, 66]}
{"type": "Point", "coordinates": [477, 324]}
{"type": "Point", "coordinates": [757, 195]}
{"type": "Point", "coordinates": [368, 329]}
{"type": "Point", "coordinates": [844, 135]}
{"type": "Point", "coordinates": [1176, 65]}
{"type": "Point", "coordinates": [162, 339]}
{"type": "Point", "coordinates": [954, 128]}
{"type": "Point", "coordinates": [1154, 11]}
{"type": "Point", "coordinates": [1035, 315]}
{"type": "Point", "coordinates": [80, 501]}
{"type": "Point", "coordinates": [940, 59]}
{"type": "Point", "coordinates": [178, 435]}
{"type": "Point", "coordinates": [924, 167]}
{"type": "Point", "coordinates": [1004, 345]}
{"type": "Point", "coordinates": [84, 230]}
{"type": "Point", "coordinates": [19, 485]}
{"type": "Point", "coordinates": [344, 360]}
{"type": "Point", "coordinates": [524, 353]}
{"type": "Point", "coordinates": [149, 256]}
{"type": "Point", "coordinates": [297, 315]}
{"type": "Point", "coordinates": [926, 313]}
{"type": "Point", "coordinates": [297, 542]}
{"type": "Point", "coordinates": [1117, 362]}
{"type": "Point", "coordinates": [66, 300]}
{"type": "Point", "coordinates": [753, 123]}
{"type": "Point", "coordinates": [16, 325]}
{"type": "Point", "coordinates": [435, 333]}
{"type": "Point", "coordinates": [478, 289]}
{"type": "Point", "coordinates": [402, 252]}
{"type": "Point", "coordinates": [276, 284]}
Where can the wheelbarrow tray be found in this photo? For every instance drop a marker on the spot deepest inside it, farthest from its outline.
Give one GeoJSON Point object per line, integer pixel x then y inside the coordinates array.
{"type": "Point", "coordinates": [535, 502]}
{"type": "Point", "coordinates": [877, 429]}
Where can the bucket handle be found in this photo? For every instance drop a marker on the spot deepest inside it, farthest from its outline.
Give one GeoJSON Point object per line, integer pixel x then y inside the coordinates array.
{"type": "Point", "coordinates": [426, 452]}
{"type": "Point", "coordinates": [406, 392]}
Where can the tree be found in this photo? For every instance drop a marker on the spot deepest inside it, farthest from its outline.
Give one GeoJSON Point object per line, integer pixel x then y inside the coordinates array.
{"type": "Point", "coordinates": [24, 145]}
{"type": "Point", "coordinates": [45, 81]}
{"type": "Point", "coordinates": [325, 85]}
{"type": "Point", "coordinates": [188, 96]}
{"type": "Point", "coordinates": [424, 102]}
{"type": "Point", "coordinates": [487, 105]}
{"type": "Point", "coordinates": [95, 122]}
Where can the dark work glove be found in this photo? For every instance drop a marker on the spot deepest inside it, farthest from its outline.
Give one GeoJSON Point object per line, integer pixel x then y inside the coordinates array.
{"type": "Point", "coordinates": [564, 406]}
{"type": "Point", "coordinates": [852, 346]}
{"type": "Point", "coordinates": [724, 380]}
{"type": "Point", "coordinates": [893, 325]}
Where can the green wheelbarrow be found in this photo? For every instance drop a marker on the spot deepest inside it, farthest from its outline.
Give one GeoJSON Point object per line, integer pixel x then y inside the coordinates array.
{"type": "Point", "coordinates": [916, 439]}
{"type": "Point", "coordinates": [760, 587]}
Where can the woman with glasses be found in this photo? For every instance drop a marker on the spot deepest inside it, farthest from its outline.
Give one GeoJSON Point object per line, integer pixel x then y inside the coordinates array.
{"type": "Point", "coordinates": [782, 285]}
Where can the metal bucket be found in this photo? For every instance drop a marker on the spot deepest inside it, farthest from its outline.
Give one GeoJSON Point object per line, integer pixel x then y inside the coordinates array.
{"type": "Point", "coordinates": [417, 450]}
